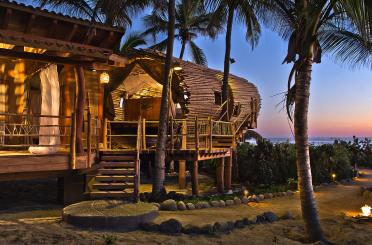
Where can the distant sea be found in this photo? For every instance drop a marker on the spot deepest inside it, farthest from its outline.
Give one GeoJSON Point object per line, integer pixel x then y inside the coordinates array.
{"type": "Point", "coordinates": [312, 140]}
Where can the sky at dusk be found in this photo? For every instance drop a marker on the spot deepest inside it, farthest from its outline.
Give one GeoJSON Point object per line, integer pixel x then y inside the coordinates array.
{"type": "Point", "coordinates": [340, 101]}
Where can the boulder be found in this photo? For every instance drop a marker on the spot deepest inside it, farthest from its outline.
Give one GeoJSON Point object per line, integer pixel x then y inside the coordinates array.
{"type": "Point", "coordinates": [156, 205]}
{"type": "Point", "coordinates": [237, 201]}
{"type": "Point", "coordinates": [245, 200]}
{"type": "Point", "coordinates": [207, 229]}
{"type": "Point", "coordinates": [239, 224]}
{"type": "Point", "coordinates": [222, 204]}
{"type": "Point", "coordinates": [261, 197]}
{"type": "Point", "coordinates": [181, 206]}
{"type": "Point", "coordinates": [287, 215]}
{"type": "Point", "coordinates": [171, 226]}
{"type": "Point", "coordinates": [190, 206]}
{"type": "Point", "coordinates": [168, 205]}
{"type": "Point", "coordinates": [205, 204]}
{"type": "Point", "coordinates": [220, 227]}
{"type": "Point", "coordinates": [151, 227]}
{"type": "Point", "coordinates": [192, 229]}
{"type": "Point", "coordinates": [229, 202]}
{"type": "Point", "coordinates": [215, 204]}
{"type": "Point", "coordinates": [270, 217]}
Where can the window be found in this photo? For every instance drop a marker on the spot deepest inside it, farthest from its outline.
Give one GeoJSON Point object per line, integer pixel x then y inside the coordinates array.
{"type": "Point", "coordinates": [217, 98]}
{"type": "Point", "coordinates": [237, 109]}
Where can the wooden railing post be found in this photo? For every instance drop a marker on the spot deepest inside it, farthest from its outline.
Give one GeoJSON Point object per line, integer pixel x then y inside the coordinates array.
{"type": "Point", "coordinates": [172, 134]}
{"type": "Point", "coordinates": [97, 138]}
{"type": "Point", "coordinates": [210, 134]}
{"type": "Point", "coordinates": [138, 162]}
{"type": "Point", "coordinates": [196, 134]}
{"type": "Point", "coordinates": [195, 166]}
{"type": "Point", "coordinates": [144, 134]}
{"type": "Point", "coordinates": [105, 134]}
{"type": "Point", "coordinates": [182, 163]}
{"type": "Point", "coordinates": [73, 141]}
{"type": "Point", "coordinates": [89, 136]}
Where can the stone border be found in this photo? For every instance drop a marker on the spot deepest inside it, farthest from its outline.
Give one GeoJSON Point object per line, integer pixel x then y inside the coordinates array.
{"type": "Point", "coordinates": [172, 205]}
{"type": "Point", "coordinates": [173, 226]}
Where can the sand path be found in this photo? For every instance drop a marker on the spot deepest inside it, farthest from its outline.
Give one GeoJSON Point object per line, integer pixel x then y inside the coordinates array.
{"type": "Point", "coordinates": [332, 200]}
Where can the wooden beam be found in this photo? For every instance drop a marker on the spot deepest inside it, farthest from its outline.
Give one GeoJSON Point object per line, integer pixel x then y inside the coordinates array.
{"type": "Point", "coordinates": [195, 178]}
{"type": "Point", "coordinates": [182, 174]}
{"type": "Point", "coordinates": [228, 172]}
{"type": "Point", "coordinates": [42, 57]}
{"type": "Point", "coordinates": [6, 19]}
{"type": "Point", "coordinates": [72, 33]}
{"type": "Point", "coordinates": [30, 23]}
{"type": "Point", "coordinates": [106, 40]}
{"type": "Point", "coordinates": [91, 34]}
{"type": "Point", "coordinates": [220, 175]}
{"type": "Point", "coordinates": [80, 105]}
{"type": "Point", "coordinates": [52, 28]}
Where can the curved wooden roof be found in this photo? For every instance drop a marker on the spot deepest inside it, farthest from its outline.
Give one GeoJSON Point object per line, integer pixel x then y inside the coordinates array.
{"type": "Point", "coordinates": [201, 83]}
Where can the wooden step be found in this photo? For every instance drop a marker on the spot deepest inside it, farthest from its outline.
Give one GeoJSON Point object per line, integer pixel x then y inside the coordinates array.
{"type": "Point", "coordinates": [118, 152]}
{"type": "Point", "coordinates": [105, 164]}
{"type": "Point", "coordinates": [110, 171]}
{"type": "Point", "coordinates": [112, 186]}
{"type": "Point", "coordinates": [114, 178]}
{"type": "Point", "coordinates": [111, 194]}
{"type": "Point", "coordinates": [117, 157]}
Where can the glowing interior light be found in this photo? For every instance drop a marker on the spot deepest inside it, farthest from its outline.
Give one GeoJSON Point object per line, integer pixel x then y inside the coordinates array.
{"type": "Point", "coordinates": [177, 68]}
{"type": "Point", "coordinates": [366, 210]}
{"type": "Point", "coordinates": [246, 192]}
{"type": "Point", "coordinates": [121, 103]}
{"type": "Point", "coordinates": [6, 46]}
{"type": "Point", "coordinates": [104, 78]}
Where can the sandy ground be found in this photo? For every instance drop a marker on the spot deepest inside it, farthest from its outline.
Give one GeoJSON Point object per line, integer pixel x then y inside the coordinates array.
{"type": "Point", "coordinates": [42, 225]}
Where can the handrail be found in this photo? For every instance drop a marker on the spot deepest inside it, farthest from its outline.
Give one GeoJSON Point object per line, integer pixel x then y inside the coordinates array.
{"type": "Point", "coordinates": [138, 161]}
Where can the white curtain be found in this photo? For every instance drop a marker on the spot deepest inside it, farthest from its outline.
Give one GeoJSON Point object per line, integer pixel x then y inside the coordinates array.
{"type": "Point", "coordinates": [50, 94]}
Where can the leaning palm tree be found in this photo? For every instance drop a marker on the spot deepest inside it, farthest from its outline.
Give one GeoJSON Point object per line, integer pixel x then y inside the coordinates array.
{"type": "Point", "coordinates": [312, 27]}
{"type": "Point", "coordinates": [225, 12]}
{"type": "Point", "coordinates": [191, 21]}
{"type": "Point", "coordinates": [132, 41]}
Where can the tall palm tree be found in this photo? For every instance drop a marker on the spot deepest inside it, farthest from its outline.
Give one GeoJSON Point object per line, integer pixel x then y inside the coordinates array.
{"type": "Point", "coordinates": [192, 20]}
{"type": "Point", "coordinates": [132, 41]}
{"type": "Point", "coordinates": [159, 164]}
{"type": "Point", "coordinates": [225, 12]}
{"type": "Point", "coordinates": [310, 26]}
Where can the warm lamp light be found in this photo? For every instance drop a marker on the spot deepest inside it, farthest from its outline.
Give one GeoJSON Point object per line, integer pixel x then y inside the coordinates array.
{"type": "Point", "coordinates": [333, 177]}
{"type": "Point", "coordinates": [246, 192]}
{"type": "Point", "coordinates": [104, 78]}
{"type": "Point", "coordinates": [177, 68]}
{"type": "Point", "coordinates": [366, 210]}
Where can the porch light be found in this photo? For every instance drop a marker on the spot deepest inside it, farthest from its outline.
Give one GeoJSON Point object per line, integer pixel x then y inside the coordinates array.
{"type": "Point", "coordinates": [104, 78]}
{"type": "Point", "coordinates": [366, 210]}
{"type": "Point", "coordinates": [333, 176]}
{"type": "Point", "coordinates": [121, 103]}
{"type": "Point", "coordinates": [177, 68]}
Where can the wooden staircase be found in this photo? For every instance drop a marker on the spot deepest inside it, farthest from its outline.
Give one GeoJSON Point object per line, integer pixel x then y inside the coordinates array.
{"type": "Point", "coordinates": [117, 176]}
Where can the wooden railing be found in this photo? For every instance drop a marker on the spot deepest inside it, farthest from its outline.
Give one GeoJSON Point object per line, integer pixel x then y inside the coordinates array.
{"type": "Point", "coordinates": [185, 134]}
{"type": "Point", "coordinates": [21, 131]}
{"type": "Point", "coordinates": [138, 161]}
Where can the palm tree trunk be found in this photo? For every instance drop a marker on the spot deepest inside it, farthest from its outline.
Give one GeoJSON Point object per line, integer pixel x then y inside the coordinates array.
{"type": "Point", "coordinates": [226, 70]}
{"type": "Point", "coordinates": [308, 203]}
{"type": "Point", "coordinates": [183, 47]}
{"type": "Point", "coordinates": [159, 164]}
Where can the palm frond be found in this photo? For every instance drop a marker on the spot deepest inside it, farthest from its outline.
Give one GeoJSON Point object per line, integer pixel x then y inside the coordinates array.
{"type": "Point", "coordinates": [132, 41]}
{"type": "Point", "coordinates": [161, 46]}
{"type": "Point", "coordinates": [197, 54]}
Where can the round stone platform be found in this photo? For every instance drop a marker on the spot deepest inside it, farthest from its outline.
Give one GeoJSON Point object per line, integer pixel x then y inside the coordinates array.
{"type": "Point", "coordinates": [109, 214]}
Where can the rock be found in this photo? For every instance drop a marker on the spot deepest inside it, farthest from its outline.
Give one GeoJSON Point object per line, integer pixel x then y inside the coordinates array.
{"type": "Point", "coordinates": [199, 205]}
{"type": "Point", "coordinates": [229, 202]}
{"type": "Point", "coordinates": [181, 206]}
{"type": "Point", "coordinates": [151, 227]}
{"type": "Point", "coordinates": [270, 217]}
{"type": "Point", "coordinates": [171, 226]}
{"type": "Point", "coordinates": [222, 204]}
{"type": "Point", "coordinates": [156, 205]}
{"type": "Point", "coordinates": [168, 205]}
{"type": "Point", "coordinates": [207, 229]}
{"type": "Point", "coordinates": [287, 215]}
{"type": "Point", "coordinates": [245, 200]}
{"type": "Point", "coordinates": [237, 201]}
{"type": "Point", "coordinates": [239, 224]}
{"type": "Point", "coordinates": [190, 206]}
{"type": "Point", "coordinates": [220, 227]}
{"type": "Point", "coordinates": [192, 229]}
{"type": "Point", "coordinates": [268, 196]}
{"type": "Point", "coordinates": [254, 198]}
{"type": "Point", "coordinates": [290, 193]}
{"type": "Point", "coordinates": [261, 197]}
{"type": "Point", "coordinates": [230, 225]}
{"type": "Point", "coordinates": [215, 204]}
{"type": "Point", "coordinates": [205, 204]}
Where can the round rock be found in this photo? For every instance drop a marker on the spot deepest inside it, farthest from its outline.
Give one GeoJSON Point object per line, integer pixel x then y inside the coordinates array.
{"type": "Point", "coordinates": [190, 206]}
{"type": "Point", "coordinates": [109, 214]}
{"type": "Point", "coordinates": [171, 226]}
{"type": "Point", "coordinates": [169, 205]}
{"type": "Point", "coordinates": [237, 201]}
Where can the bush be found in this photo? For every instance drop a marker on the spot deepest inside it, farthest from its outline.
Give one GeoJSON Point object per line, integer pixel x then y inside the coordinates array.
{"type": "Point", "coordinates": [275, 164]}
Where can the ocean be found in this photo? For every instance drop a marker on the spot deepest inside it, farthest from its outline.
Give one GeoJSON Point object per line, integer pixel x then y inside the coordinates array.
{"type": "Point", "coordinates": [312, 140]}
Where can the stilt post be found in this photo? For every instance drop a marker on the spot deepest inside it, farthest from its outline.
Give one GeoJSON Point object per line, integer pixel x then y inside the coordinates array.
{"type": "Point", "coordinates": [228, 171]}
{"type": "Point", "coordinates": [220, 175]}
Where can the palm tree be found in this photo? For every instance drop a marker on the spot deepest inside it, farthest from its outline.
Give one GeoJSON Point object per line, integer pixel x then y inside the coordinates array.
{"type": "Point", "coordinates": [312, 27]}
{"type": "Point", "coordinates": [191, 21]}
{"type": "Point", "coordinates": [132, 41]}
{"type": "Point", "coordinates": [225, 12]}
{"type": "Point", "coordinates": [159, 163]}
{"type": "Point", "coordinates": [110, 12]}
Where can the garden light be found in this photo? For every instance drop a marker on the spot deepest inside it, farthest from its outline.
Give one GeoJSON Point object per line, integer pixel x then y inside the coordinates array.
{"type": "Point", "coordinates": [366, 210]}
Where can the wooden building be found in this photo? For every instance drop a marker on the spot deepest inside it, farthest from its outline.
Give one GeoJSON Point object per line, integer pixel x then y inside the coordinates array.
{"type": "Point", "coordinates": [104, 108]}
